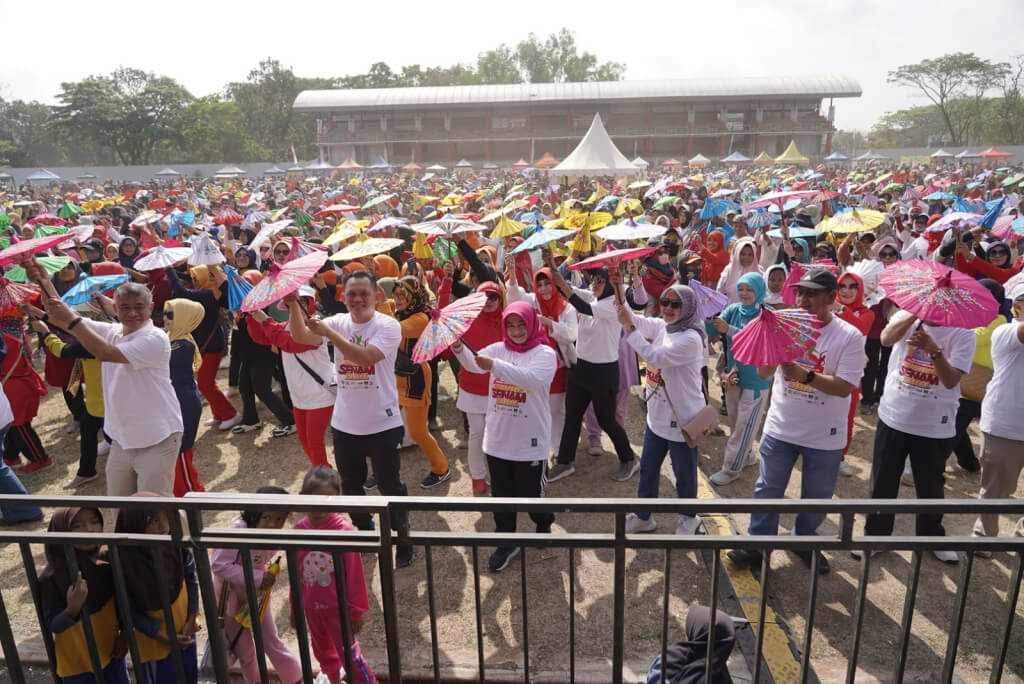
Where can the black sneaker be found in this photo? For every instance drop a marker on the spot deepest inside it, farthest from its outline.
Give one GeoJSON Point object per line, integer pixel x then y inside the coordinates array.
{"type": "Point", "coordinates": [746, 558]}
{"type": "Point", "coordinates": [823, 567]}
{"type": "Point", "coordinates": [501, 558]}
{"type": "Point", "coordinates": [433, 479]}
{"type": "Point", "coordinates": [404, 556]}
{"type": "Point", "coordinates": [971, 465]}
{"type": "Point", "coordinates": [371, 483]}
{"type": "Point", "coordinates": [283, 430]}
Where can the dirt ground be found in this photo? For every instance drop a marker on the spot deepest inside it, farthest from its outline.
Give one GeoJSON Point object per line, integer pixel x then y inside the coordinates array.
{"type": "Point", "coordinates": [240, 463]}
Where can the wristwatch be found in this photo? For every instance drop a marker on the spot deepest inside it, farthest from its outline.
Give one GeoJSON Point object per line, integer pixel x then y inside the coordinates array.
{"type": "Point", "coordinates": [810, 377]}
{"type": "Point", "coordinates": [936, 355]}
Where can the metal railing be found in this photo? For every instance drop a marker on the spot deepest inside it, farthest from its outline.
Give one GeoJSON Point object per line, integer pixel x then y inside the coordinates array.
{"type": "Point", "coordinates": [188, 530]}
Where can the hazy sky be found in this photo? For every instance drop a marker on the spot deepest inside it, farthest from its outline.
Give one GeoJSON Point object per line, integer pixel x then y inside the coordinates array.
{"type": "Point", "coordinates": [207, 44]}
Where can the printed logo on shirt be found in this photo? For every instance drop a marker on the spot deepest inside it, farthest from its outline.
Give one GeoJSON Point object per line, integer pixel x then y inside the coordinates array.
{"type": "Point", "coordinates": [317, 569]}
{"type": "Point", "coordinates": [795, 389]}
{"type": "Point", "coordinates": [509, 399]}
{"type": "Point", "coordinates": [917, 373]}
{"type": "Point", "coordinates": [352, 375]}
{"type": "Point", "coordinates": [654, 379]}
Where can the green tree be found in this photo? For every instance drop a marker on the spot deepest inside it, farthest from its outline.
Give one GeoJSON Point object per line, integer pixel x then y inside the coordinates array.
{"type": "Point", "coordinates": [129, 112]}
{"type": "Point", "coordinates": [26, 135]}
{"type": "Point", "coordinates": [498, 66]}
{"type": "Point", "coordinates": [214, 130]}
{"type": "Point", "coordinates": [956, 85]}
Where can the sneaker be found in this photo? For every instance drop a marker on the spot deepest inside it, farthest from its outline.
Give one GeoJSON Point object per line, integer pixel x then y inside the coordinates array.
{"type": "Point", "coordinates": [560, 470]}
{"type": "Point", "coordinates": [724, 477]}
{"type": "Point", "coordinates": [79, 480]}
{"type": "Point", "coordinates": [433, 479]}
{"type": "Point", "coordinates": [972, 465]}
{"type": "Point", "coordinates": [595, 448]}
{"type": "Point", "coordinates": [211, 422]}
{"type": "Point", "coordinates": [501, 558]}
{"type": "Point", "coordinates": [36, 466]}
{"type": "Point", "coordinates": [230, 422]}
{"type": "Point", "coordinates": [479, 485]}
{"type": "Point", "coordinates": [232, 391]}
{"type": "Point", "coordinates": [823, 567]}
{"type": "Point", "coordinates": [13, 462]}
{"type": "Point", "coordinates": [461, 443]}
{"type": "Point", "coordinates": [859, 553]}
{"type": "Point", "coordinates": [689, 525]}
{"type": "Point", "coordinates": [404, 556]}
{"type": "Point", "coordinates": [627, 469]}
{"type": "Point", "coordinates": [371, 483]}
{"type": "Point", "coordinates": [635, 524]}
{"type": "Point", "coordinates": [283, 430]}
{"type": "Point", "coordinates": [103, 449]}
{"type": "Point", "coordinates": [242, 428]}
{"type": "Point", "coordinates": [433, 425]}
{"type": "Point", "coordinates": [746, 558]}
{"type": "Point", "coordinates": [948, 557]}
{"type": "Point", "coordinates": [846, 470]}
{"type": "Point", "coordinates": [72, 427]}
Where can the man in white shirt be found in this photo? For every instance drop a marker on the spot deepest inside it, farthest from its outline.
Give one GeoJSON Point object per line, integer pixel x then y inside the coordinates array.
{"type": "Point", "coordinates": [367, 422]}
{"type": "Point", "coordinates": [1002, 427]}
{"type": "Point", "coordinates": [917, 416]}
{"type": "Point", "coordinates": [807, 416]}
{"type": "Point", "coordinates": [143, 417]}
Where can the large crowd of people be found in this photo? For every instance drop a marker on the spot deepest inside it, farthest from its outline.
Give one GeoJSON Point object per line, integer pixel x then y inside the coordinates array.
{"type": "Point", "coordinates": [550, 347]}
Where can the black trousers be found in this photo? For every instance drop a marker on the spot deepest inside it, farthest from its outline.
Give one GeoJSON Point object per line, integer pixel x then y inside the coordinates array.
{"type": "Point", "coordinates": [525, 479]}
{"type": "Point", "coordinates": [234, 367]}
{"type": "Point", "coordinates": [22, 439]}
{"type": "Point", "coordinates": [872, 383]}
{"type": "Point", "coordinates": [350, 454]}
{"type": "Point", "coordinates": [88, 443]}
{"type": "Point", "coordinates": [75, 402]}
{"type": "Point", "coordinates": [967, 411]}
{"type": "Point", "coordinates": [254, 381]}
{"type": "Point", "coordinates": [432, 411]}
{"type": "Point", "coordinates": [928, 463]}
{"type": "Point", "coordinates": [596, 383]}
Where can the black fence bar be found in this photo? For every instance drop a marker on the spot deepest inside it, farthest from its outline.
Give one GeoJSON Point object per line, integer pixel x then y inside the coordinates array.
{"type": "Point", "coordinates": [33, 586]}
{"type": "Point", "coordinates": [667, 580]}
{"type": "Point", "coordinates": [958, 617]}
{"type": "Point", "coordinates": [299, 615]}
{"type": "Point", "coordinates": [618, 591]}
{"type": "Point", "coordinates": [165, 603]}
{"type": "Point", "coordinates": [252, 601]}
{"type": "Point", "coordinates": [386, 564]}
{"type": "Point", "coordinates": [812, 596]}
{"type": "Point", "coordinates": [432, 610]}
{"type": "Point", "coordinates": [84, 614]}
{"type": "Point", "coordinates": [480, 616]}
{"type": "Point", "coordinates": [219, 647]}
{"type": "Point", "coordinates": [124, 610]}
{"type": "Point", "coordinates": [908, 614]}
{"type": "Point", "coordinates": [10, 646]}
{"type": "Point", "coordinates": [341, 594]}
{"type": "Point", "coordinates": [1011, 611]}
{"type": "Point", "coordinates": [858, 616]}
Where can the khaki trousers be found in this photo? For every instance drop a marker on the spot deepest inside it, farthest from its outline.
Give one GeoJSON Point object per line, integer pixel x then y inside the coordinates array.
{"type": "Point", "coordinates": [149, 469]}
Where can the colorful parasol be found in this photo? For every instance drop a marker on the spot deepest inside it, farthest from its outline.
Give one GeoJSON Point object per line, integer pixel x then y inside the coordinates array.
{"type": "Point", "coordinates": [794, 232]}
{"type": "Point", "coordinates": [1009, 227]}
{"type": "Point", "coordinates": [709, 302]}
{"type": "Point", "coordinates": [12, 294]}
{"type": "Point", "coordinates": [447, 325]}
{"type": "Point", "coordinates": [335, 209]}
{"type": "Point", "coordinates": [26, 248]}
{"type": "Point", "coordinates": [205, 251]}
{"type": "Point", "coordinates": [51, 264]}
{"type": "Point", "coordinates": [541, 238]}
{"type": "Point", "coordinates": [343, 232]}
{"type": "Point", "coordinates": [283, 280]}
{"type": "Point", "coordinates": [67, 210]}
{"type": "Point", "coordinates": [779, 199]}
{"type": "Point", "coordinates": [448, 224]}
{"type": "Point", "coordinates": [146, 218]}
{"type": "Point", "coordinates": [629, 230]}
{"type": "Point", "coordinates": [954, 218]}
{"type": "Point", "coordinates": [365, 248]}
{"type": "Point", "coordinates": [48, 219]}
{"type": "Point", "coordinates": [82, 291]}
{"type": "Point", "coordinates": [388, 222]}
{"type": "Point", "coordinates": [776, 337]}
{"type": "Point", "coordinates": [161, 257]}
{"type": "Point", "coordinates": [377, 200]}
{"type": "Point", "coordinates": [506, 227]}
{"type": "Point", "coordinates": [238, 288]}
{"type": "Point", "coordinates": [852, 221]}
{"type": "Point", "coordinates": [228, 217]}
{"type": "Point", "coordinates": [760, 219]}
{"type": "Point", "coordinates": [938, 294]}
{"type": "Point", "coordinates": [612, 257]}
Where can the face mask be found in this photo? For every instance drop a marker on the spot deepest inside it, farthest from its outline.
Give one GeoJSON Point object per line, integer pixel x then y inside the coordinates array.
{"type": "Point", "coordinates": [663, 259]}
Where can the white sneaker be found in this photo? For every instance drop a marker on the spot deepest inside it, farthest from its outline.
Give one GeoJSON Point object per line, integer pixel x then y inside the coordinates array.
{"type": "Point", "coordinates": [859, 553]}
{"type": "Point", "coordinates": [635, 524]}
{"type": "Point", "coordinates": [946, 556]}
{"type": "Point", "coordinates": [71, 428]}
{"type": "Point", "coordinates": [230, 422]}
{"type": "Point", "coordinates": [724, 477]}
{"type": "Point", "coordinates": [104, 448]}
{"type": "Point", "coordinates": [595, 448]}
{"type": "Point", "coordinates": [231, 392]}
{"type": "Point", "coordinates": [845, 469]}
{"type": "Point", "coordinates": [211, 422]}
{"type": "Point", "coordinates": [689, 524]}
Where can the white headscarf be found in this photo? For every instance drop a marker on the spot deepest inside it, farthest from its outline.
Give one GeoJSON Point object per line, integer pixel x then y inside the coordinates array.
{"type": "Point", "coordinates": [734, 270]}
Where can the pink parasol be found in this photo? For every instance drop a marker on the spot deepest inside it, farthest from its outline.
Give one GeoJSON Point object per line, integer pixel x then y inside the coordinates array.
{"type": "Point", "coordinates": [26, 248]}
{"type": "Point", "coordinates": [612, 257]}
{"type": "Point", "coordinates": [300, 248]}
{"type": "Point", "coordinates": [778, 198]}
{"type": "Point", "coordinates": [447, 325]}
{"type": "Point", "coordinates": [1008, 227]}
{"type": "Point", "coordinates": [776, 337]}
{"type": "Point", "coordinates": [709, 302]}
{"type": "Point", "coordinates": [283, 280]}
{"type": "Point", "coordinates": [47, 219]}
{"type": "Point", "coordinates": [938, 294]}
{"type": "Point", "coordinates": [335, 209]}
{"type": "Point", "coordinates": [12, 294]}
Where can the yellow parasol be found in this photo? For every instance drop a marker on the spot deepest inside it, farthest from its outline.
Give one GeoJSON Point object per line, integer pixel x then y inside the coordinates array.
{"type": "Point", "coordinates": [420, 248]}
{"type": "Point", "coordinates": [627, 203]}
{"type": "Point", "coordinates": [506, 227]}
{"type": "Point", "coordinates": [852, 221]}
{"type": "Point", "coordinates": [344, 231]}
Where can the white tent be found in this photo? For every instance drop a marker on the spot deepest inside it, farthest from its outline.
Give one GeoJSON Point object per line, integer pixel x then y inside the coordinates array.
{"type": "Point", "coordinates": [968, 155]}
{"type": "Point", "coordinates": [596, 155]}
{"type": "Point", "coordinates": [640, 163]}
{"type": "Point", "coordinates": [228, 172]}
{"type": "Point", "coordinates": [941, 154]}
{"type": "Point", "coordinates": [167, 171]}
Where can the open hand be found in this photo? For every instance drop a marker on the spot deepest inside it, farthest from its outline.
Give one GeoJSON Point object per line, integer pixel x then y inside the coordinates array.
{"type": "Point", "coordinates": [76, 595]}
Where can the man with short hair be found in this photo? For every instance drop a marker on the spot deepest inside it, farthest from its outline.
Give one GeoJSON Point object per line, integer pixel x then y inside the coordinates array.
{"type": "Point", "coordinates": [807, 416]}
{"type": "Point", "coordinates": [143, 417]}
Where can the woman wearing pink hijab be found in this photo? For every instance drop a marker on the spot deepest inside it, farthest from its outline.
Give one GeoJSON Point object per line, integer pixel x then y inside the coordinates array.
{"type": "Point", "coordinates": [518, 426]}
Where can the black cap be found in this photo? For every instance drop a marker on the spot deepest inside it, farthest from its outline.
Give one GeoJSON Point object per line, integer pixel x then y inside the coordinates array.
{"type": "Point", "coordinates": [94, 244]}
{"type": "Point", "coordinates": [818, 279]}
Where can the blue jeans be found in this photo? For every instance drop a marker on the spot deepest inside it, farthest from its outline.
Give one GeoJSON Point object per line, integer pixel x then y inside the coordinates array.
{"type": "Point", "coordinates": [819, 473]}
{"type": "Point", "coordinates": [10, 484]}
{"type": "Point", "coordinates": [684, 467]}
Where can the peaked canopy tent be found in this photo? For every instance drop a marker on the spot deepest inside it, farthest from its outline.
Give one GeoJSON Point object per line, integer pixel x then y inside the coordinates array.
{"type": "Point", "coordinates": [86, 175]}
{"type": "Point", "coordinates": [166, 172]}
{"type": "Point", "coordinates": [995, 153]}
{"type": "Point", "coordinates": [521, 164]}
{"type": "Point", "coordinates": [411, 167]}
{"type": "Point", "coordinates": [350, 164]}
{"type": "Point", "coordinates": [698, 160]}
{"type": "Point", "coordinates": [871, 156]}
{"type": "Point", "coordinates": [736, 158]}
{"type": "Point", "coordinates": [967, 154]}
{"type": "Point", "coordinates": [640, 163]}
{"type": "Point", "coordinates": [670, 163]}
{"type": "Point", "coordinates": [596, 155]}
{"type": "Point", "coordinates": [763, 159]}
{"type": "Point", "coordinates": [836, 158]}
{"type": "Point", "coordinates": [229, 172]}
{"type": "Point", "coordinates": [941, 154]}
{"type": "Point", "coordinates": [43, 176]}
{"type": "Point", "coordinates": [463, 164]}
{"type": "Point", "coordinates": [436, 167]}
{"type": "Point", "coordinates": [379, 164]}
{"type": "Point", "coordinates": [274, 171]}
{"type": "Point", "coordinates": [792, 155]}
{"type": "Point", "coordinates": [547, 161]}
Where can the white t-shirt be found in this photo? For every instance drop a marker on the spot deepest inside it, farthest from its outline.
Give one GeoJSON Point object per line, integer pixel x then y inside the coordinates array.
{"type": "Point", "coordinates": [802, 415]}
{"type": "Point", "coordinates": [141, 408]}
{"type": "Point", "coordinates": [6, 414]}
{"type": "Point", "coordinates": [915, 401]}
{"type": "Point", "coordinates": [308, 394]}
{"type": "Point", "coordinates": [367, 401]}
{"type": "Point", "coordinates": [1002, 412]}
{"type": "Point", "coordinates": [598, 337]}
{"type": "Point", "coordinates": [673, 361]}
{"type": "Point", "coordinates": [518, 426]}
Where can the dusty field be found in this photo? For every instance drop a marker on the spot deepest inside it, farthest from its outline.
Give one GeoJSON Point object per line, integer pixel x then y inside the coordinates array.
{"type": "Point", "coordinates": [244, 462]}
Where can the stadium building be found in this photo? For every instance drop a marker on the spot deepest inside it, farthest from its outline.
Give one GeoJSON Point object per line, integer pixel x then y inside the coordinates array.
{"type": "Point", "coordinates": [652, 119]}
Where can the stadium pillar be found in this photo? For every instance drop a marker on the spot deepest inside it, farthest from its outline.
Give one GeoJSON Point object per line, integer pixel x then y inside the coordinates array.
{"type": "Point", "coordinates": [828, 144]}
{"type": "Point", "coordinates": [757, 144]}
{"type": "Point", "coordinates": [721, 146]}
{"type": "Point", "coordinates": [451, 153]}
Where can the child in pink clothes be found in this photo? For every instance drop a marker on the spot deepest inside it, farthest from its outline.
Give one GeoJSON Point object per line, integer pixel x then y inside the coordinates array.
{"type": "Point", "coordinates": [319, 592]}
{"type": "Point", "coordinates": [227, 568]}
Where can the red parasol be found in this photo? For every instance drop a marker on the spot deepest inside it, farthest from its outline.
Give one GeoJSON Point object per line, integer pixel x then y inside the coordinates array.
{"type": "Point", "coordinates": [938, 294]}
{"type": "Point", "coordinates": [612, 257]}
{"type": "Point", "coordinates": [447, 325]}
{"type": "Point", "coordinates": [26, 248]}
{"type": "Point", "coordinates": [12, 294]}
{"type": "Point", "coordinates": [228, 217]}
{"type": "Point", "coordinates": [283, 280]}
{"type": "Point", "coordinates": [47, 219]}
{"type": "Point", "coordinates": [335, 209]}
{"type": "Point", "coordinates": [776, 337]}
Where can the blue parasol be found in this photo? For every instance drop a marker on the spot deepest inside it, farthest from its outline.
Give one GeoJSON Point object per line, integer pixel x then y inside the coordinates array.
{"type": "Point", "coordinates": [82, 291]}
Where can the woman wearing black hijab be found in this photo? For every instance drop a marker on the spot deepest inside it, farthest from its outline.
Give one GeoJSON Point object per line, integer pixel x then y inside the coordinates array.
{"type": "Point", "coordinates": [686, 660]}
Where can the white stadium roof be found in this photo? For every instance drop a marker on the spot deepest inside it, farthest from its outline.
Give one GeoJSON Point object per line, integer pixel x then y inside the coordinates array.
{"type": "Point", "coordinates": [518, 93]}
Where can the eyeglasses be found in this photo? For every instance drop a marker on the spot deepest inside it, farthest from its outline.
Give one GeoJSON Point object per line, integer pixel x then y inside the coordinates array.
{"type": "Point", "coordinates": [670, 304]}
{"type": "Point", "coordinates": [169, 314]}
{"type": "Point", "coordinates": [999, 252]}
{"type": "Point", "coordinates": [491, 297]}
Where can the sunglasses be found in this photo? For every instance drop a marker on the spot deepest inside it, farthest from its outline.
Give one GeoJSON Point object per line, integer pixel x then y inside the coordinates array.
{"type": "Point", "coordinates": [999, 252]}
{"type": "Point", "coordinates": [886, 254]}
{"type": "Point", "coordinates": [281, 252]}
{"type": "Point", "coordinates": [491, 297]}
{"type": "Point", "coordinates": [169, 314]}
{"type": "Point", "coordinates": [670, 304]}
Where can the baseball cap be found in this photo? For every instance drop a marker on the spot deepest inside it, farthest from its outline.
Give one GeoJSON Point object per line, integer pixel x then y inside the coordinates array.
{"type": "Point", "coordinates": [1017, 292]}
{"type": "Point", "coordinates": [94, 244]}
{"type": "Point", "coordinates": [817, 279]}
